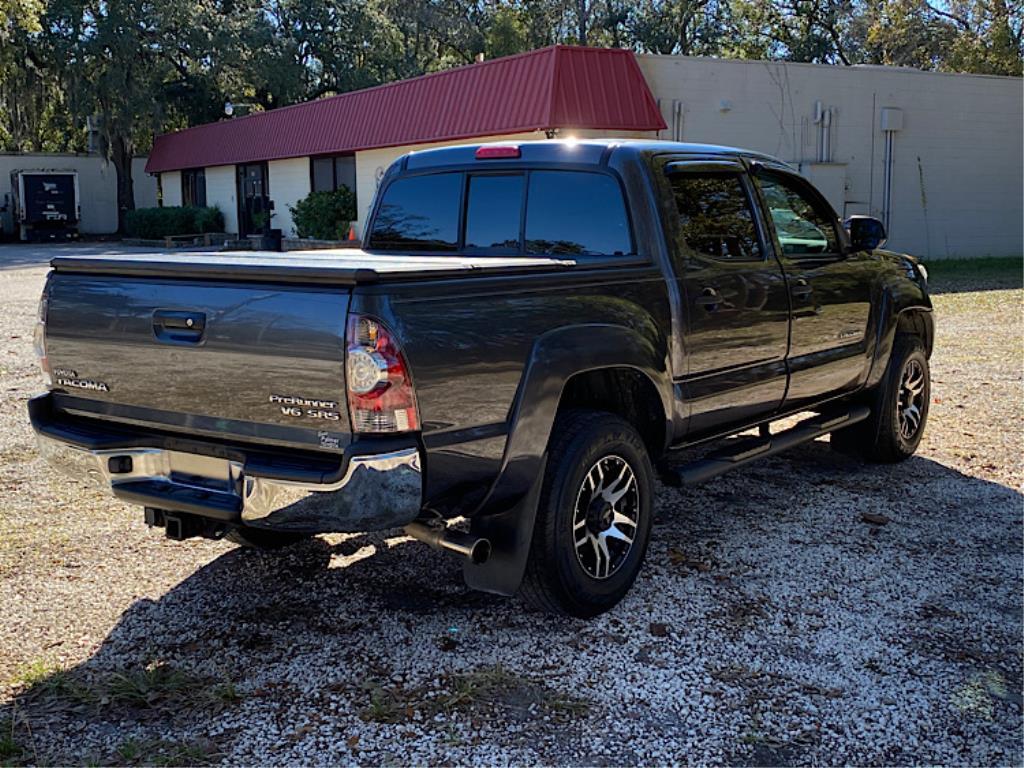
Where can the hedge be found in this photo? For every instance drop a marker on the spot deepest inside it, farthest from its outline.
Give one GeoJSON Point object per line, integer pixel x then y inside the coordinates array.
{"type": "Point", "coordinates": [324, 215]}
{"type": "Point", "coordinates": [154, 223]}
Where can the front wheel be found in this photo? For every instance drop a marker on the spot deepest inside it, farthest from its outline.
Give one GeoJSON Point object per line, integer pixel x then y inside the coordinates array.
{"type": "Point", "coordinates": [593, 518]}
{"type": "Point", "coordinates": [900, 410]}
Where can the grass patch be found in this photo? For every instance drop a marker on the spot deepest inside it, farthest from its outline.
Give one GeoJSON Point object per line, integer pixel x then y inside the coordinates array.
{"type": "Point", "coordinates": [491, 689]}
{"type": "Point", "coordinates": [163, 752]}
{"type": "Point", "coordinates": [155, 687]}
{"type": "Point", "coordinates": [160, 685]}
{"type": "Point", "coordinates": [149, 686]}
{"type": "Point", "coordinates": [10, 749]}
{"type": "Point", "coordinates": [34, 673]}
{"type": "Point", "coordinates": [1002, 272]}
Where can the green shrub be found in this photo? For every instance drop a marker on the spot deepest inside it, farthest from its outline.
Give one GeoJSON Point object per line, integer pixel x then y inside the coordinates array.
{"type": "Point", "coordinates": [209, 219]}
{"type": "Point", "coordinates": [324, 215]}
{"type": "Point", "coordinates": [154, 223]}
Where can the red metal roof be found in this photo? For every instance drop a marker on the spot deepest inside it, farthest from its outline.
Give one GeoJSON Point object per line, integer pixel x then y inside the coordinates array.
{"type": "Point", "coordinates": [556, 87]}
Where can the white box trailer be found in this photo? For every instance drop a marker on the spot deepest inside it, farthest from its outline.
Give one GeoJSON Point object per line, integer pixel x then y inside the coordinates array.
{"type": "Point", "coordinates": [46, 204]}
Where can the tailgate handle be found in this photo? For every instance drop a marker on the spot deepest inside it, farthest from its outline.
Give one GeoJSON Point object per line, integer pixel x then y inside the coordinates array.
{"type": "Point", "coordinates": [177, 327]}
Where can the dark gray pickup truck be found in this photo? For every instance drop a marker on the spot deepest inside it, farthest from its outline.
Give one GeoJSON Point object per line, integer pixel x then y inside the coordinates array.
{"type": "Point", "coordinates": [531, 334]}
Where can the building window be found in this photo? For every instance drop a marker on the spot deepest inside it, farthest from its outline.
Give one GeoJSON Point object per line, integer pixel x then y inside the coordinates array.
{"type": "Point", "coordinates": [330, 173]}
{"type": "Point", "coordinates": [193, 187]}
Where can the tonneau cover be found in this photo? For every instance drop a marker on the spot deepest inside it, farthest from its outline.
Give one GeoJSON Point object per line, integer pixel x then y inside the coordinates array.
{"type": "Point", "coordinates": [343, 266]}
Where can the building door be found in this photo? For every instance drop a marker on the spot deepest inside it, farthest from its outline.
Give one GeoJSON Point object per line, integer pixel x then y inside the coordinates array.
{"type": "Point", "coordinates": [253, 198]}
{"type": "Point", "coordinates": [737, 307]}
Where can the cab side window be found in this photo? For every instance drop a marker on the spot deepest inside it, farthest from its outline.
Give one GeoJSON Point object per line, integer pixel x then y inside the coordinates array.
{"type": "Point", "coordinates": [715, 216]}
{"type": "Point", "coordinates": [419, 213]}
{"type": "Point", "coordinates": [576, 213]}
{"type": "Point", "coordinates": [802, 223]}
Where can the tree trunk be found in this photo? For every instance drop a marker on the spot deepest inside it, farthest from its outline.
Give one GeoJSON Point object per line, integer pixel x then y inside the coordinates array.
{"type": "Point", "coordinates": [121, 157]}
{"type": "Point", "coordinates": [581, 17]}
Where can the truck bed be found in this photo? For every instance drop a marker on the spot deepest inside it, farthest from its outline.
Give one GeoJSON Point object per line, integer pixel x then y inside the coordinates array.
{"type": "Point", "coordinates": [343, 266]}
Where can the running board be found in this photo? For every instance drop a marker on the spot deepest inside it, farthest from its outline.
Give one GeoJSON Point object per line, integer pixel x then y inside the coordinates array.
{"type": "Point", "coordinates": [748, 450]}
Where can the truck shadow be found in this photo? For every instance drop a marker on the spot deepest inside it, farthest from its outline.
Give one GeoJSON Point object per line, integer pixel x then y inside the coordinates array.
{"type": "Point", "coordinates": [346, 634]}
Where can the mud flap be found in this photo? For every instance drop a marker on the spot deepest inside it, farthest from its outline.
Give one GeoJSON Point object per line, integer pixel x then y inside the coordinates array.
{"type": "Point", "coordinates": [510, 533]}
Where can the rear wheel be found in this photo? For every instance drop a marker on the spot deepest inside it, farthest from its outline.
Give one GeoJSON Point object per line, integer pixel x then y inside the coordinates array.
{"type": "Point", "coordinates": [900, 410]}
{"type": "Point", "coordinates": [263, 538]}
{"type": "Point", "coordinates": [593, 518]}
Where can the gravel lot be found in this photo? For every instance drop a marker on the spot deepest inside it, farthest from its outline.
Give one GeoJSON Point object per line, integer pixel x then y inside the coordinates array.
{"type": "Point", "coordinates": [773, 624]}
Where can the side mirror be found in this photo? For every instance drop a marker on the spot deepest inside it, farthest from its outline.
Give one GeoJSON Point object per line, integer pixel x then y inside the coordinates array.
{"type": "Point", "coordinates": [866, 232]}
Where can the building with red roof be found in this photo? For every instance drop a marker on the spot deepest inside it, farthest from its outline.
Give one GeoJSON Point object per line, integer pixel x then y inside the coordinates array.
{"type": "Point", "coordinates": [351, 138]}
{"type": "Point", "coordinates": [936, 155]}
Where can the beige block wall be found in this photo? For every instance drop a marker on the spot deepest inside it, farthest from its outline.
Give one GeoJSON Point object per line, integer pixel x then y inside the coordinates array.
{"type": "Point", "coordinates": [97, 186]}
{"type": "Point", "coordinates": [958, 183]}
{"type": "Point", "coordinates": [170, 184]}
{"type": "Point", "coordinates": [288, 183]}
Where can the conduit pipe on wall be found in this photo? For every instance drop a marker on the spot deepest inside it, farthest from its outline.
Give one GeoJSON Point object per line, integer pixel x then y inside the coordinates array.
{"type": "Point", "coordinates": [823, 119]}
{"type": "Point", "coordinates": [891, 122]}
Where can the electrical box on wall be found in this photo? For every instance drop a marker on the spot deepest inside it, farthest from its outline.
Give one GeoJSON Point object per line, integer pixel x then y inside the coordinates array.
{"type": "Point", "coordinates": [892, 119]}
{"type": "Point", "coordinates": [830, 179]}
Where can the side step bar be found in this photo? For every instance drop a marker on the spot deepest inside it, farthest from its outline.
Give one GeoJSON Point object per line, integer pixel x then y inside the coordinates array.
{"type": "Point", "coordinates": [748, 450]}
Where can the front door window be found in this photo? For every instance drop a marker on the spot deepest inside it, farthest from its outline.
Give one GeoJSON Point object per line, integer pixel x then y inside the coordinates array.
{"type": "Point", "coordinates": [802, 224]}
{"type": "Point", "coordinates": [830, 291]}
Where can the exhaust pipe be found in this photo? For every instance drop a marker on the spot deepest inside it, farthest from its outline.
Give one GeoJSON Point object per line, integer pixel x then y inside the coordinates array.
{"type": "Point", "coordinates": [477, 550]}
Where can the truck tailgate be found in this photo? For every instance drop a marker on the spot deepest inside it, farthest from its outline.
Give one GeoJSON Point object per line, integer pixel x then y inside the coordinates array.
{"type": "Point", "coordinates": [235, 360]}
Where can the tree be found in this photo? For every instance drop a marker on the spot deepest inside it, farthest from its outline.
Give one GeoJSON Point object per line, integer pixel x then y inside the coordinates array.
{"type": "Point", "coordinates": [18, 15]}
{"type": "Point", "coordinates": [683, 27]}
{"type": "Point", "coordinates": [905, 33]}
{"type": "Point", "coordinates": [156, 65]}
{"type": "Point", "coordinates": [115, 68]}
{"type": "Point", "coordinates": [817, 31]}
{"type": "Point", "coordinates": [987, 35]}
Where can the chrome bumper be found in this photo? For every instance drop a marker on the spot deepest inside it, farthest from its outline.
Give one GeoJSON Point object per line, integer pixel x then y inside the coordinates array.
{"type": "Point", "coordinates": [377, 491]}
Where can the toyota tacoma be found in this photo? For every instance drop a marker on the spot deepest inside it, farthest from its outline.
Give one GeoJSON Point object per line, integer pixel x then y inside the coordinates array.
{"type": "Point", "coordinates": [530, 335]}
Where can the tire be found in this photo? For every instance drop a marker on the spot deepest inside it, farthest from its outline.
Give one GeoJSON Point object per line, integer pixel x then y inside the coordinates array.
{"type": "Point", "coordinates": [894, 429]}
{"type": "Point", "coordinates": [263, 538]}
{"type": "Point", "coordinates": [590, 580]}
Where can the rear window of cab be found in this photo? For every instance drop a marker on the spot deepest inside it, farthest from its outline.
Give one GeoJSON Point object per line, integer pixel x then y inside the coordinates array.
{"type": "Point", "coordinates": [535, 212]}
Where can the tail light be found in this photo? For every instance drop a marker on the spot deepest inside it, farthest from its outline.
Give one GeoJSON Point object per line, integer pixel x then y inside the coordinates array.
{"type": "Point", "coordinates": [380, 392]}
{"type": "Point", "coordinates": [39, 339]}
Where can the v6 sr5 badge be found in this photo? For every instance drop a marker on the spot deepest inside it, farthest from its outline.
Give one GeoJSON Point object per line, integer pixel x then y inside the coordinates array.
{"type": "Point", "coordinates": [307, 407]}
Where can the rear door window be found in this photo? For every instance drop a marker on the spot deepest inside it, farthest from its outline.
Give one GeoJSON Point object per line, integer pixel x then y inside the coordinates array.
{"type": "Point", "coordinates": [493, 207]}
{"type": "Point", "coordinates": [715, 216]}
{"type": "Point", "coordinates": [576, 213]}
{"type": "Point", "coordinates": [419, 213]}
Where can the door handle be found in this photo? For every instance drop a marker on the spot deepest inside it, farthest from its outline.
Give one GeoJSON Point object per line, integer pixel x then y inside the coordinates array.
{"type": "Point", "coordinates": [176, 327]}
{"type": "Point", "coordinates": [710, 299]}
{"type": "Point", "coordinates": [801, 289]}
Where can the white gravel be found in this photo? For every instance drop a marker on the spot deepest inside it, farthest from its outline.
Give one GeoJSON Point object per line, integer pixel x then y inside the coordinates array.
{"type": "Point", "coordinates": [771, 625]}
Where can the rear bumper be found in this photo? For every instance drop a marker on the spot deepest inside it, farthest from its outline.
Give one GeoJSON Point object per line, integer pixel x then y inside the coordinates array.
{"type": "Point", "coordinates": [364, 490]}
